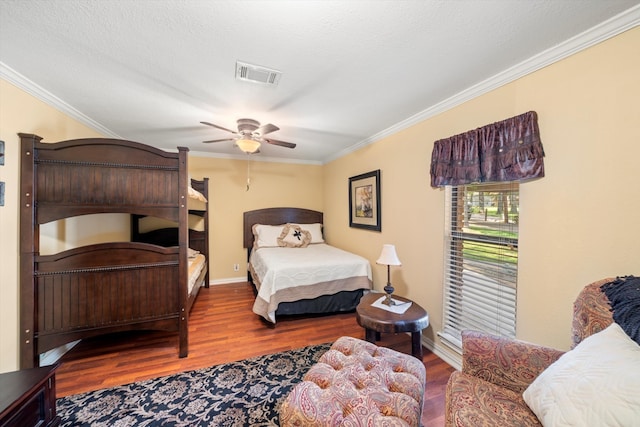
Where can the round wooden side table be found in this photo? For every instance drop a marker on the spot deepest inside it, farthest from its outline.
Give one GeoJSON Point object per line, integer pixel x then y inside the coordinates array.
{"type": "Point", "coordinates": [376, 320]}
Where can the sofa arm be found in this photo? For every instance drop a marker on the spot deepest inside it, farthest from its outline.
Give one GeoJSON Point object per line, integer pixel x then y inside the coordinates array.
{"type": "Point", "coordinates": [506, 362]}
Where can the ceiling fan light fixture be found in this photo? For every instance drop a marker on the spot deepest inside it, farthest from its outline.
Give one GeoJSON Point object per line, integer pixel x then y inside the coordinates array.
{"type": "Point", "coordinates": [250, 135]}
{"type": "Point", "coordinates": [248, 145]}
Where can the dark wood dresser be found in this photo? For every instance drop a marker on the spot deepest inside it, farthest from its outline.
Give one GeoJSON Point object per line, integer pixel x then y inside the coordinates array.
{"type": "Point", "coordinates": [28, 398]}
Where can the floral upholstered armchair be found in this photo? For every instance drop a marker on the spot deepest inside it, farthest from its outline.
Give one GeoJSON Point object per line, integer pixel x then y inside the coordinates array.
{"type": "Point", "coordinates": [493, 388]}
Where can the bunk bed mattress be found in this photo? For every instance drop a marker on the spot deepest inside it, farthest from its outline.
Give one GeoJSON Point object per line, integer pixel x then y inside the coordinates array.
{"type": "Point", "coordinates": [196, 264]}
{"type": "Point", "coordinates": [293, 274]}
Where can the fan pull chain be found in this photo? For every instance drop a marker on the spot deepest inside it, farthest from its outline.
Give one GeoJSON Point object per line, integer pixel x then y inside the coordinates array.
{"type": "Point", "coordinates": [248, 171]}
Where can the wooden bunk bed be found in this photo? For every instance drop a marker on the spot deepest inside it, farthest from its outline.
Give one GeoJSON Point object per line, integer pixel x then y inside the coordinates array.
{"type": "Point", "coordinates": [313, 294]}
{"type": "Point", "coordinates": [106, 287]}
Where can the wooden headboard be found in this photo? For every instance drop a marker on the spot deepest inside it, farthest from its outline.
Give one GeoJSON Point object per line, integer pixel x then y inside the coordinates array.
{"type": "Point", "coordinates": [276, 216]}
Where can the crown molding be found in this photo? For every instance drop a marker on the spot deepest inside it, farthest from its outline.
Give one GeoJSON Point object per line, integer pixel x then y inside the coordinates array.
{"type": "Point", "coordinates": [610, 28]}
{"type": "Point", "coordinates": [253, 158]}
{"type": "Point", "coordinates": [9, 74]}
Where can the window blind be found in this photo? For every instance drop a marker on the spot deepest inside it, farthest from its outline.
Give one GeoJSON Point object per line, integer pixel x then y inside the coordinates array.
{"type": "Point", "coordinates": [481, 259]}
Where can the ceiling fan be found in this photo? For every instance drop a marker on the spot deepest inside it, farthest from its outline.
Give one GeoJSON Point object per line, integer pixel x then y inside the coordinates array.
{"type": "Point", "coordinates": [250, 135]}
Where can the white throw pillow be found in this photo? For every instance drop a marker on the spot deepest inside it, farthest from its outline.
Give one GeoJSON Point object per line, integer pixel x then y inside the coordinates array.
{"type": "Point", "coordinates": [316, 231]}
{"type": "Point", "coordinates": [266, 236]}
{"type": "Point", "coordinates": [595, 384]}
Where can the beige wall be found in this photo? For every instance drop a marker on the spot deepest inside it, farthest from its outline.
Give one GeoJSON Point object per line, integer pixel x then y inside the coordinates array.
{"type": "Point", "coordinates": [577, 225]}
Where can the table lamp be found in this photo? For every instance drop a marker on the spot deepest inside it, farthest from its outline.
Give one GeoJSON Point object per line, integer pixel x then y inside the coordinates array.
{"type": "Point", "coordinates": [388, 257]}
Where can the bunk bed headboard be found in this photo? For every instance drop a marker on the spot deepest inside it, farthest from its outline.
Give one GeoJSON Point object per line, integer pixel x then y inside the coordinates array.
{"type": "Point", "coordinates": [129, 175]}
{"type": "Point", "coordinates": [276, 216]}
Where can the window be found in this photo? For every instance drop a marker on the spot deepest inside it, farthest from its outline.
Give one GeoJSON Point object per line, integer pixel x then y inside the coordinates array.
{"type": "Point", "coordinates": [481, 259]}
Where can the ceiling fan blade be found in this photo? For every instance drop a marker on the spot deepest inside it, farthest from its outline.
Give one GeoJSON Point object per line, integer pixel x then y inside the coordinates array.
{"type": "Point", "coordinates": [281, 143]}
{"type": "Point", "coordinates": [219, 140]}
{"type": "Point", "coordinates": [218, 127]}
{"type": "Point", "coordinates": [268, 128]}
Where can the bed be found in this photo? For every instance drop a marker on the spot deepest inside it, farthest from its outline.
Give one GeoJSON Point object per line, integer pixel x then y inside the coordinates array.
{"type": "Point", "coordinates": [294, 270]}
{"type": "Point", "coordinates": [105, 287]}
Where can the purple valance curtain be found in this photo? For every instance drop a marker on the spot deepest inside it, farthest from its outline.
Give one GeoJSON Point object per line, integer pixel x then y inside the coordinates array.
{"type": "Point", "coordinates": [509, 150]}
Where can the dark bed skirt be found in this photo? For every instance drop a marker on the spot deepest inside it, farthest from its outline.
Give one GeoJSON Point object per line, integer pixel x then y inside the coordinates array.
{"type": "Point", "coordinates": [340, 302]}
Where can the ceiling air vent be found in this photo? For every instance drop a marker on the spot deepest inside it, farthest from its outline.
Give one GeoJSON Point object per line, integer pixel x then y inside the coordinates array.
{"type": "Point", "coordinates": [256, 74]}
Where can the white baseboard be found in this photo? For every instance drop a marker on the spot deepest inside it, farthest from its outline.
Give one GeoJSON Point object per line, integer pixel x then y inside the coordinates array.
{"type": "Point", "coordinates": [228, 280]}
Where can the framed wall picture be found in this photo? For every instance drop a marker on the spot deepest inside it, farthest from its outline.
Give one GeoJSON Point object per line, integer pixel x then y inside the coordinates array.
{"type": "Point", "coordinates": [364, 201]}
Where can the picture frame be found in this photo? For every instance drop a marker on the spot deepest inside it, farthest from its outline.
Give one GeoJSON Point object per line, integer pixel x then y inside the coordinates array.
{"type": "Point", "coordinates": [364, 201]}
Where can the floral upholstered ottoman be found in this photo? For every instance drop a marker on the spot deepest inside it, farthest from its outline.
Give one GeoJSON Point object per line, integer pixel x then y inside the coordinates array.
{"type": "Point", "coordinates": [357, 383]}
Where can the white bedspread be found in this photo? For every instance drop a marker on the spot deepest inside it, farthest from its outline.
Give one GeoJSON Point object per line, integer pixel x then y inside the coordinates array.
{"type": "Point", "coordinates": [291, 274]}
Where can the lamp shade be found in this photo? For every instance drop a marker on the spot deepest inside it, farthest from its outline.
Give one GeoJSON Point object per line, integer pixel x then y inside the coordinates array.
{"type": "Point", "coordinates": [248, 145]}
{"type": "Point", "coordinates": [388, 256]}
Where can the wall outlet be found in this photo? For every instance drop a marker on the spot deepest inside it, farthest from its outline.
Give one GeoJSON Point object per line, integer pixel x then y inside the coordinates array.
{"type": "Point", "coordinates": [236, 267]}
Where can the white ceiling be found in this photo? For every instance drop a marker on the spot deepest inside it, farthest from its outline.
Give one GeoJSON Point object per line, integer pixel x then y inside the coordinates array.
{"type": "Point", "coordinates": [352, 71]}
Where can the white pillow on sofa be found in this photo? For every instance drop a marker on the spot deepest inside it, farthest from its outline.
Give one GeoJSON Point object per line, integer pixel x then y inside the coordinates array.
{"type": "Point", "coordinates": [595, 384]}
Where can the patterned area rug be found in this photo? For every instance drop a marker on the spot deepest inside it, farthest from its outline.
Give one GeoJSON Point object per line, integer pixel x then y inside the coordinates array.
{"type": "Point", "coordinates": [244, 393]}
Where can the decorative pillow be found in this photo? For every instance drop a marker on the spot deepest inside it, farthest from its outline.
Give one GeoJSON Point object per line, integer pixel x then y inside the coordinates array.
{"type": "Point", "coordinates": [266, 236]}
{"type": "Point", "coordinates": [624, 295]}
{"type": "Point", "coordinates": [595, 384]}
{"type": "Point", "coordinates": [316, 231]}
{"type": "Point", "coordinates": [293, 236]}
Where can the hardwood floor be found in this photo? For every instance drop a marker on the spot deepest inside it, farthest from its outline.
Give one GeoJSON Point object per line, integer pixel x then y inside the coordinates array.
{"type": "Point", "coordinates": [222, 328]}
